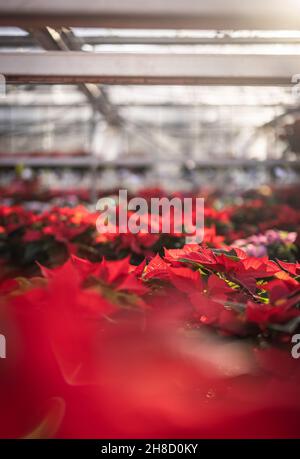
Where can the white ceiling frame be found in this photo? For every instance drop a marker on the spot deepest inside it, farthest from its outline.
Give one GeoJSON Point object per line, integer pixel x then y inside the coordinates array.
{"type": "Point", "coordinates": [138, 68]}
{"type": "Point", "coordinates": [196, 14]}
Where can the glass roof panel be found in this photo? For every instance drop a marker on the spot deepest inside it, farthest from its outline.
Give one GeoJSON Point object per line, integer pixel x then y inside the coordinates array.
{"type": "Point", "coordinates": [16, 39]}
{"type": "Point", "coordinates": [197, 49]}
{"type": "Point", "coordinates": [12, 31]}
{"type": "Point", "coordinates": [31, 95]}
{"type": "Point", "coordinates": [201, 95]}
{"type": "Point", "coordinates": [174, 33]}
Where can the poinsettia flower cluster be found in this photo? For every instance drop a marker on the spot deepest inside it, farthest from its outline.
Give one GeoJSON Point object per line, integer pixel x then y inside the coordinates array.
{"type": "Point", "coordinates": [230, 290]}
{"type": "Point", "coordinates": [258, 215]}
{"type": "Point", "coordinates": [51, 236]}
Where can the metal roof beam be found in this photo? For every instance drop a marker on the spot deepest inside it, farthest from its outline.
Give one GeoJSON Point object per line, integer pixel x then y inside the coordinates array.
{"type": "Point", "coordinates": [195, 14]}
{"type": "Point", "coordinates": [146, 68]}
{"type": "Point", "coordinates": [11, 41]}
{"type": "Point", "coordinates": [51, 39]}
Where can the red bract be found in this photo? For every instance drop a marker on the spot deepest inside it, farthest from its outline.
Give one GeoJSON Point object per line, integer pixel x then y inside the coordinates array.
{"type": "Point", "coordinates": [190, 252]}
{"type": "Point", "coordinates": [31, 235]}
{"type": "Point", "coordinates": [185, 280]}
{"type": "Point", "coordinates": [156, 268]}
{"type": "Point", "coordinates": [292, 268]}
{"type": "Point", "coordinates": [210, 297]}
{"type": "Point", "coordinates": [14, 217]}
{"type": "Point", "coordinates": [264, 315]}
{"type": "Point", "coordinates": [212, 239]}
{"type": "Point", "coordinates": [112, 274]}
{"type": "Point", "coordinates": [234, 264]}
{"type": "Point", "coordinates": [140, 243]}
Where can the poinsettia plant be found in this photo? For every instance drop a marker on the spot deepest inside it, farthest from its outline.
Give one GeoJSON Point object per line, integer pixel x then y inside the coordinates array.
{"type": "Point", "coordinates": [140, 335]}
{"type": "Point", "coordinates": [110, 337]}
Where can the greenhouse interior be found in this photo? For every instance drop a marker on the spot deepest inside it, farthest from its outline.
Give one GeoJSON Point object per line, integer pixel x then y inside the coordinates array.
{"type": "Point", "coordinates": [173, 312]}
